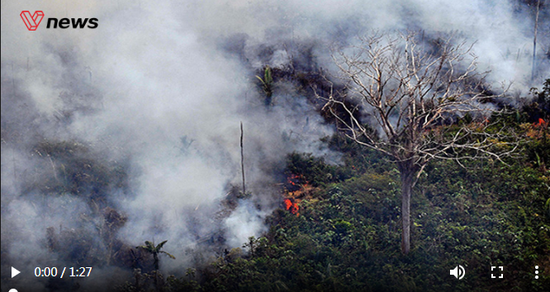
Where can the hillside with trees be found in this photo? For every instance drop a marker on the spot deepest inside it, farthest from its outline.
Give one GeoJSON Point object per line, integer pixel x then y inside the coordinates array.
{"type": "Point", "coordinates": [276, 146]}
{"type": "Point", "coordinates": [346, 235]}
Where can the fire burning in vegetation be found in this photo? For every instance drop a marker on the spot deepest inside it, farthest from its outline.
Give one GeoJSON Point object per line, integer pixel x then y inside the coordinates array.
{"type": "Point", "coordinates": [297, 187]}
{"type": "Point", "coordinates": [542, 123]}
{"type": "Point", "coordinates": [291, 206]}
{"type": "Point", "coordinates": [536, 130]}
{"type": "Point", "coordinates": [294, 180]}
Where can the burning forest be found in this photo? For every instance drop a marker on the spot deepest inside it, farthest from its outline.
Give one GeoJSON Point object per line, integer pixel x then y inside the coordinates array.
{"type": "Point", "coordinates": [232, 145]}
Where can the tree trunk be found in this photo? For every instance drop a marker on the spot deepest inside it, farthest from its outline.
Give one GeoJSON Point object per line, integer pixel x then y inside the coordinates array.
{"type": "Point", "coordinates": [242, 160]}
{"type": "Point", "coordinates": [155, 272]}
{"type": "Point", "coordinates": [533, 70]}
{"type": "Point", "coordinates": [156, 261]}
{"type": "Point", "coordinates": [407, 179]}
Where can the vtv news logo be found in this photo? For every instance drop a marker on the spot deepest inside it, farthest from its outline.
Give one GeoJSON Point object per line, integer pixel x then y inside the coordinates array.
{"type": "Point", "coordinates": [33, 21]}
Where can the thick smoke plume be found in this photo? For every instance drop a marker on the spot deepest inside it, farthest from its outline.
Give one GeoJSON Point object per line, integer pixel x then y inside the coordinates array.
{"type": "Point", "coordinates": [156, 95]}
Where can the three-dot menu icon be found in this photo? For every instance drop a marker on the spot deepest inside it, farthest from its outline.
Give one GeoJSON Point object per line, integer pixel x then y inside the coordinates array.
{"type": "Point", "coordinates": [536, 272]}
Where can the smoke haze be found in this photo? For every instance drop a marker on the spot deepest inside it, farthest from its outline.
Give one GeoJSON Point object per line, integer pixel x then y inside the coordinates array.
{"type": "Point", "coordinates": [160, 89]}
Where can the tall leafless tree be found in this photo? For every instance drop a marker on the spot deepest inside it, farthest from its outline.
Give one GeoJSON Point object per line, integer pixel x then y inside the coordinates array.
{"type": "Point", "coordinates": [533, 69]}
{"type": "Point", "coordinates": [403, 99]}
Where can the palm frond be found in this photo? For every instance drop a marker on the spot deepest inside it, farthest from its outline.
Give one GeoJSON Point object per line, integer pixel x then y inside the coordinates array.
{"type": "Point", "coordinates": [160, 245]}
{"type": "Point", "coordinates": [168, 254]}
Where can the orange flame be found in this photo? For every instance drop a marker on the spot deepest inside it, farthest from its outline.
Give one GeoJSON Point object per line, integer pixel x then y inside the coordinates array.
{"type": "Point", "coordinates": [291, 206]}
{"type": "Point", "coordinates": [294, 179]}
{"type": "Point", "coordinates": [287, 203]}
{"type": "Point", "coordinates": [297, 187]}
{"type": "Point", "coordinates": [294, 209]}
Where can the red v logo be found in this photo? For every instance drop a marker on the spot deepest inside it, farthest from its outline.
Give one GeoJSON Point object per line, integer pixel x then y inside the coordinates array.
{"type": "Point", "coordinates": [32, 21]}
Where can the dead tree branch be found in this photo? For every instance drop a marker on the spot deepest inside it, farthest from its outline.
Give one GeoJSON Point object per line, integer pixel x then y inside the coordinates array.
{"type": "Point", "coordinates": [408, 99]}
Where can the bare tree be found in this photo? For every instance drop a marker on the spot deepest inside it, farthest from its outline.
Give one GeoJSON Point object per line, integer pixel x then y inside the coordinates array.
{"type": "Point", "coordinates": [412, 96]}
{"type": "Point", "coordinates": [535, 41]}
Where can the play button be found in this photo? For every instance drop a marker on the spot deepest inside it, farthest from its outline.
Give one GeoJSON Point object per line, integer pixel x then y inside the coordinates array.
{"type": "Point", "coordinates": [14, 272]}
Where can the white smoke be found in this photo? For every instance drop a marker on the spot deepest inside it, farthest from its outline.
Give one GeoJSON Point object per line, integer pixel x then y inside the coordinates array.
{"type": "Point", "coordinates": [171, 97]}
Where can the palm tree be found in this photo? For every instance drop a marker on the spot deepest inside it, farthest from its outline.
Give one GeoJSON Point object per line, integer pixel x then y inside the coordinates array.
{"type": "Point", "coordinates": [155, 251]}
{"type": "Point", "coordinates": [267, 85]}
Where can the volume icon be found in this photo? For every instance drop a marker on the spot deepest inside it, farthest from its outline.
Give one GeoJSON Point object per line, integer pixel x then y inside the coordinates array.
{"type": "Point", "coordinates": [459, 272]}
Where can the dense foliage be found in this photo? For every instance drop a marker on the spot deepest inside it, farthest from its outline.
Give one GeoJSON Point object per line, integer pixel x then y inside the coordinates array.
{"type": "Point", "coordinates": [346, 237]}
